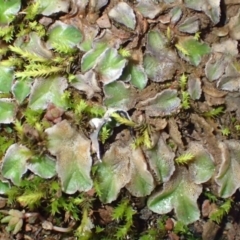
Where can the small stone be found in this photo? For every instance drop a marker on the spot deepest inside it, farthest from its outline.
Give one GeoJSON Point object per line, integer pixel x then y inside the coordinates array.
{"type": "Point", "coordinates": [206, 207]}
{"type": "Point", "coordinates": [169, 224]}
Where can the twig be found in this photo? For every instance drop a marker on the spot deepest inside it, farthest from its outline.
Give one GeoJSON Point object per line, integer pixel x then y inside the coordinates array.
{"type": "Point", "coordinates": [49, 226]}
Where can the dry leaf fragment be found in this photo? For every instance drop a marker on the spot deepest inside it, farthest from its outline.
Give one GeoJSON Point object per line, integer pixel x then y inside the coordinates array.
{"type": "Point", "coordinates": [234, 27]}
{"type": "Point", "coordinates": [106, 214]}
{"type": "Point", "coordinates": [210, 230]}
{"type": "Point", "coordinates": [175, 133]}
{"type": "Point", "coordinates": [212, 95]}
{"type": "Point", "coordinates": [104, 22]}
{"type": "Point", "coordinates": [209, 140]}
{"type": "Point", "coordinates": [213, 92]}
{"type": "Point", "coordinates": [213, 101]}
